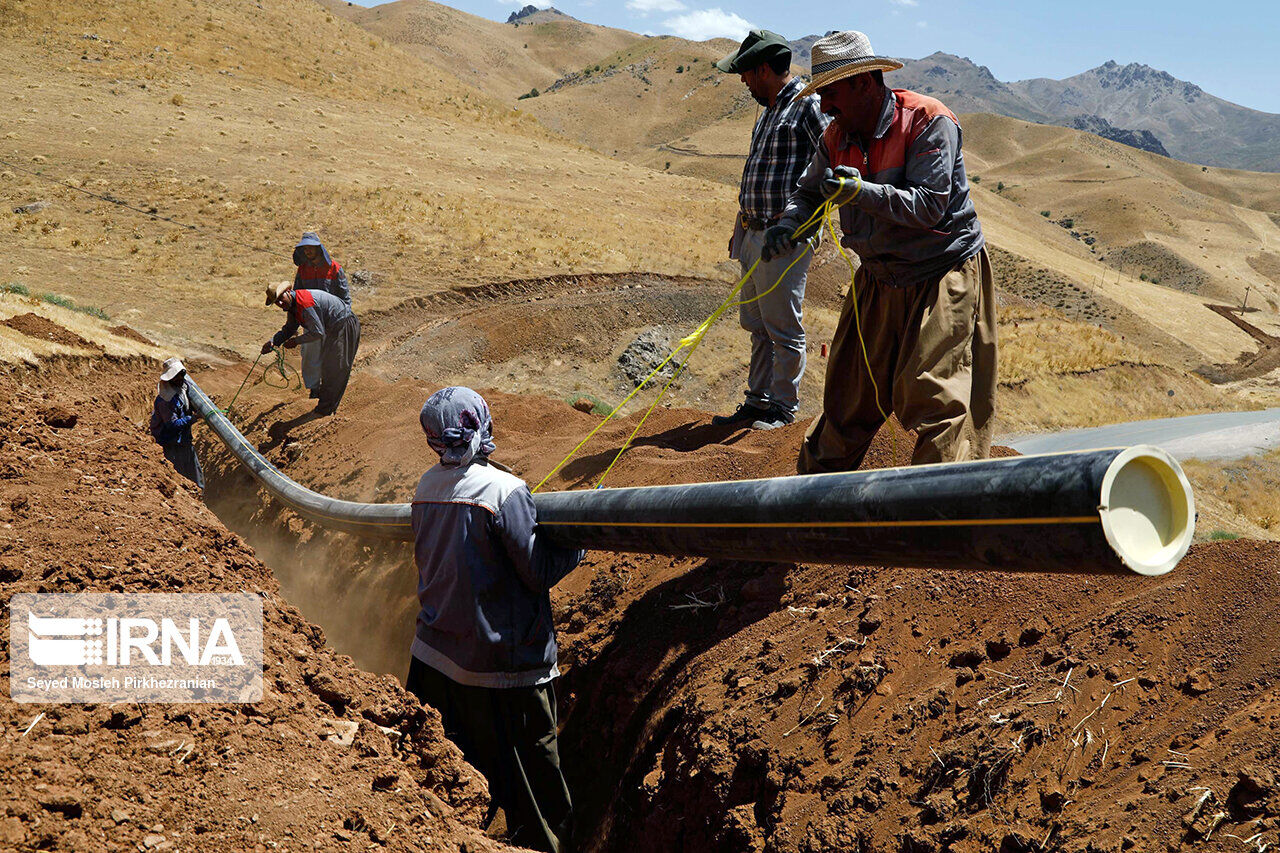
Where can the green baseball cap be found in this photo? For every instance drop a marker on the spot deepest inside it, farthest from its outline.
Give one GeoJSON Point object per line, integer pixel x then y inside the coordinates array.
{"type": "Point", "coordinates": [757, 48]}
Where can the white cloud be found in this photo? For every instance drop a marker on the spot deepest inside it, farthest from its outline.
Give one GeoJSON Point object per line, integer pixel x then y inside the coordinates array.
{"type": "Point", "coordinates": [922, 24]}
{"type": "Point", "coordinates": [644, 7]}
{"type": "Point", "coordinates": [703, 24]}
{"type": "Point", "coordinates": [905, 2]}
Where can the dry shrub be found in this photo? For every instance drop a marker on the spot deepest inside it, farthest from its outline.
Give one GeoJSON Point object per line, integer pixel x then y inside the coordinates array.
{"type": "Point", "coordinates": [1036, 343]}
{"type": "Point", "coordinates": [1249, 486]}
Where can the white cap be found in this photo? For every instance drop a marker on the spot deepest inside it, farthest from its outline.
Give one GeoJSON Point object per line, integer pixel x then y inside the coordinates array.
{"type": "Point", "coordinates": [171, 368]}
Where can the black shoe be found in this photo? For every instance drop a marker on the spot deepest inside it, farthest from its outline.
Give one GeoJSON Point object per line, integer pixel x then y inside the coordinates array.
{"type": "Point", "coordinates": [746, 412]}
{"type": "Point", "coordinates": [315, 393]}
{"type": "Point", "coordinates": [774, 418]}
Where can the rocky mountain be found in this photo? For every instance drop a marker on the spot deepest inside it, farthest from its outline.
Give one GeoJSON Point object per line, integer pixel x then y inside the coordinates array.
{"type": "Point", "coordinates": [533, 15]}
{"type": "Point", "coordinates": [1132, 100]}
{"type": "Point", "coordinates": [1194, 125]}
{"type": "Point", "coordinates": [1144, 139]}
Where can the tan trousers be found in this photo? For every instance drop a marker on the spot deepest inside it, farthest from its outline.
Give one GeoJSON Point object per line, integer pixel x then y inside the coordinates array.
{"type": "Point", "coordinates": [932, 350]}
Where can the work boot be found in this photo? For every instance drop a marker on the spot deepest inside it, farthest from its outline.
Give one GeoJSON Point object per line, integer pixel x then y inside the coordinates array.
{"type": "Point", "coordinates": [774, 418]}
{"type": "Point", "coordinates": [746, 412]}
{"type": "Point", "coordinates": [315, 393]}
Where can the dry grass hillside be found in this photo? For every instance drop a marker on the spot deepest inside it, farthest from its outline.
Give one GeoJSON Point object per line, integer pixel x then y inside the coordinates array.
{"type": "Point", "coordinates": [255, 123]}
{"type": "Point", "coordinates": [503, 60]}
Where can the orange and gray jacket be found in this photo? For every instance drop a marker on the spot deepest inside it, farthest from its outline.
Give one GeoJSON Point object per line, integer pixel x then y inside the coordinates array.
{"type": "Point", "coordinates": [316, 313]}
{"type": "Point", "coordinates": [327, 276]}
{"type": "Point", "coordinates": [913, 220]}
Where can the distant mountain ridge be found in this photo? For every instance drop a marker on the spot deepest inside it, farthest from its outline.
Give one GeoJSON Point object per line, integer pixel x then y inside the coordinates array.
{"type": "Point", "coordinates": [533, 15]}
{"type": "Point", "coordinates": [1142, 139]}
{"type": "Point", "coordinates": [1131, 102]}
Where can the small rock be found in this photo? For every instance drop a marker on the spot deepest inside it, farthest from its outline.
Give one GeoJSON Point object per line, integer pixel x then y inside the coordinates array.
{"type": "Point", "coordinates": [152, 841]}
{"type": "Point", "coordinates": [31, 207]}
{"type": "Point", "coordinates": [871, 619]}
{"type": "Point", "coordinates": [341, 732]}
{"type": "Point", "coordinates": [787, 686]}
{"type": "Point", "coordinates": [584, 404]}
{"type": "Point", "coordinates": [1248, 797]}
{"type": "Point", "coordinates": [119, 815]}
{"type": "Point", "coordinates": [1034, 632]}
{"type": "Point", "coordinates": [1197, 683]}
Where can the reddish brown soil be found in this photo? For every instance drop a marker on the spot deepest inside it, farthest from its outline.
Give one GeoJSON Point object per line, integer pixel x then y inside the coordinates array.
{"type": "Point", "coordinates": [93, 506]}
{"type": "Point", "coordinates": [35, 326]}
{"type": "Point", "coordinates": [130, 333]}
{"type": "Point", "coordinates": [712, 705]}
{"type": "Point", "coordinates": [706, 705]}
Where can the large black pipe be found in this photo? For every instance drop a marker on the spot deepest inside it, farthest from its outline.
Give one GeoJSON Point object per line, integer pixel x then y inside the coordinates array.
{"type": "Point", "coordinates": [1097, 511]}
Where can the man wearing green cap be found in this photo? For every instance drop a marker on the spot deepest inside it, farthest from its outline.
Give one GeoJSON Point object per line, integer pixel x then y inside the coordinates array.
{"type": "Point", "coordinates": [784, 140]}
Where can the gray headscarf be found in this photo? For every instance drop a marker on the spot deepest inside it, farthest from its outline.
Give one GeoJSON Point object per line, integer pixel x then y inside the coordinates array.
{"type": "Point", "coordinates": [458, 426]}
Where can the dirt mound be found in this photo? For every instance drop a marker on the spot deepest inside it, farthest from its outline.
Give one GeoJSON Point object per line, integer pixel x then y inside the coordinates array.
{"type": "Point", "coordinates": [331, 758]}
{"type": "Point", "coordinates": [718, 705]}
{"type": "Point", "coordinates": [35, 326]}
{"type": "Point", "coordinates": [130, 333]}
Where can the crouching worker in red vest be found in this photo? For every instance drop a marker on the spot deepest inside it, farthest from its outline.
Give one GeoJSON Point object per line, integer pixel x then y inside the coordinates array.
{"type": "Point", "coordinates": [315, 315]}
{"type": "Point", "coordinates": [484, 652]}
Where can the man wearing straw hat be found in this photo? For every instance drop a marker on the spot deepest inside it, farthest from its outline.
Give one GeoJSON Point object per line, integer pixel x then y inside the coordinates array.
{"type": "Point", "coordinates": [316, 315]}
{"type": "Point", "coordinates": [917, 335]}
{"type": "Point", "coordinates": [782, 144]}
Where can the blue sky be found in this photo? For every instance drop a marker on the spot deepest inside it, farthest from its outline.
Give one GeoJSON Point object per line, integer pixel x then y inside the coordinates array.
{"type": "Point", "coordinates": [1231, 49]}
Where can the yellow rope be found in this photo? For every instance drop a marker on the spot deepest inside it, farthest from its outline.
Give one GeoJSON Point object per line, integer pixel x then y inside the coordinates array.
{"type": "Point", "coordinates": [857, 324]}
{"type": "Point", "coordinates": [694, 339]}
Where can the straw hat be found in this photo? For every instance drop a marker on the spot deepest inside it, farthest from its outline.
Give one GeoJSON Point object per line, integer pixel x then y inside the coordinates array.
{"type": "Point", "coordinates": [171, 368]}
{"type": "Point", "coordinates": [842, 55]}
{"type": "Point", "coordinates": [275, 291]}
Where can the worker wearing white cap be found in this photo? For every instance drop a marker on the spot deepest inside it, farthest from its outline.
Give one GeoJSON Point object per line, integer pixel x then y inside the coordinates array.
{"type": "Point", "coordinates": [171, 419]}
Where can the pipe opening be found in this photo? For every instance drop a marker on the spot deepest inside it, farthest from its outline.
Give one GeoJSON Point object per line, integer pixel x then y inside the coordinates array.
{"type": "Point", "coordinates": [1148, 513]}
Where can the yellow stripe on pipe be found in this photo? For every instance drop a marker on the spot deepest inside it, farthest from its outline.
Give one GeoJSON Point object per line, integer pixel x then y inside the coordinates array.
{"type": "Point", "coordinates": [979, 522]}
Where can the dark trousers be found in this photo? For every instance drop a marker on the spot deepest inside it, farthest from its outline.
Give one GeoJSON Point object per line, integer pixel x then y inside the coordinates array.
{"type": "Point", "coordinates": [509, 735]}
{"type": "Point", "coordinates": [337, 354]}
{"type": "Point", "coordinates": [184, 459]}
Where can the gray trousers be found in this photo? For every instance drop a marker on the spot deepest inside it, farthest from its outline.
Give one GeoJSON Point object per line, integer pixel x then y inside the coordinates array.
{"type": "Point", "coordinates": [311, 364]}
{"type": "Point", "coordinates": [774, 321]}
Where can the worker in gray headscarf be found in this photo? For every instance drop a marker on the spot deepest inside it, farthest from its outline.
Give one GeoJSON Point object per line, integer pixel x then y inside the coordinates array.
{"type": "Point", "coordinates": [171, 419]}
{"type": "Point", "coordinates": [484, 651]}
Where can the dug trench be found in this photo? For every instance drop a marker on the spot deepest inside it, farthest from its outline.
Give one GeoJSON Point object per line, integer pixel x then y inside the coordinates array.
{"type": "Point", "coordinates": [705, 704]}
{"type": "Point", "coordinates": [715, 705]}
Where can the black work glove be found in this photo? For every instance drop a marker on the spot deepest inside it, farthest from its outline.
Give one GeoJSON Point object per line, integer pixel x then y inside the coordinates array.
{"type": "Point", "coordinates": [268, 347]}
{"type": "Point", "coordinates": [839, 191]}
{"type": "Point", "coordinates": [777, 242]}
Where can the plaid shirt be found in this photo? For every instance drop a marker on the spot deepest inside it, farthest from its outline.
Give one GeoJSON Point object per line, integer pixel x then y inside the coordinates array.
{"type": "Point", "coordinates": [782, 144]}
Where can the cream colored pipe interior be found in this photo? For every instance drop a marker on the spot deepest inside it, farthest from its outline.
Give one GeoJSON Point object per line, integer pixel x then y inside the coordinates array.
{"type": "Point", "coordinates": [1148, 513]}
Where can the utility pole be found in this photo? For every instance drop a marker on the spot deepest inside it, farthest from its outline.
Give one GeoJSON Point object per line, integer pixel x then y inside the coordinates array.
{"type": "Point", "coordinates": [1246, 299]}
